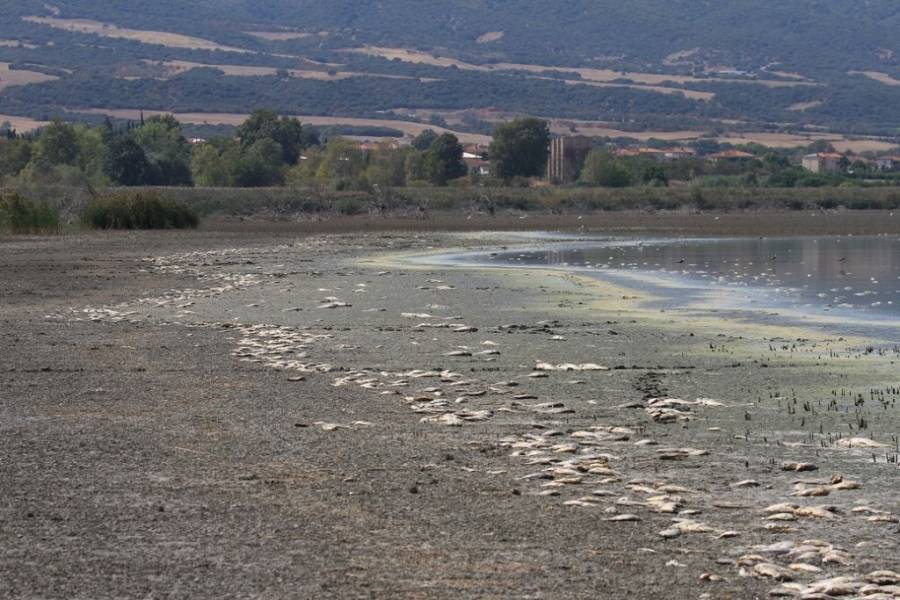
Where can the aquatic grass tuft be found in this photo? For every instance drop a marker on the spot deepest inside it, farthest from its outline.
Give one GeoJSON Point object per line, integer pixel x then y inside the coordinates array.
{"type": "Point", "coordinates": [22, 216]}
{"type": "Point", "coordinates": [139, 210]}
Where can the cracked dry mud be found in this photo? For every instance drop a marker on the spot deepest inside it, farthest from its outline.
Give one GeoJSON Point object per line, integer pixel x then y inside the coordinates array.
{"type": "Point", "coordinates": [214, 415]}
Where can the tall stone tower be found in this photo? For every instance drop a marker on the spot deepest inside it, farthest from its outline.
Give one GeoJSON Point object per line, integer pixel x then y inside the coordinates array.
{"type": "Point", "coordinates": [567, 156]}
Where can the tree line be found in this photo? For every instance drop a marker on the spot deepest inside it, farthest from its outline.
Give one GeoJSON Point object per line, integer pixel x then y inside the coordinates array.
{"type": "Point", "coordinates": [267, 150]}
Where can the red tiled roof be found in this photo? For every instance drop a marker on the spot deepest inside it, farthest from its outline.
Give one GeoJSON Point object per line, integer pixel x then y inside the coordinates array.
{"type": "Point", "coordinates": [731, 154]}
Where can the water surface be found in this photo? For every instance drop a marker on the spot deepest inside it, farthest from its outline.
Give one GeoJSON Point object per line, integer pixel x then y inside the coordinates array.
{"type": "Point", "coordinates": [851, 282]}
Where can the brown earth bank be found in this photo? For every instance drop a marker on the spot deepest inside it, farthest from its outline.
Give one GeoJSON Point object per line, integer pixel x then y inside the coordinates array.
{"type": "Point", "coordinates": [268, 413]}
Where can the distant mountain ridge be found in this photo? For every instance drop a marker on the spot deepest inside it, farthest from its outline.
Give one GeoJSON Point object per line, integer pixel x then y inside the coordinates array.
{"type": "Point", "coordinates": [822, 63]}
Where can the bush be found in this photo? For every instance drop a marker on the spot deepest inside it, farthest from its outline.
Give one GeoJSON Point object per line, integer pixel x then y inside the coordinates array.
{"type": "Point", "coordinates": [138, 210]}
{"type": "Point", "coordinates": [22, 216]}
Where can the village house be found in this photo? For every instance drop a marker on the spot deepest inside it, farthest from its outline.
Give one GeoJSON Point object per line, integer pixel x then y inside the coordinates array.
{"type": "Point", "coordinates": [670, 154]}
{"type": "Point", "coordinates": [730, 156]}
{"type": "Point", "coordinates": [478, 166]}
{"type": "Point", "coordinates": [475, 151]}
{"type": "Point", "coordinates": [888, 163]}
{"type": "Point", "coordinates": [823, 162]}
{"type": "Point", "coordinates": [657, 154]}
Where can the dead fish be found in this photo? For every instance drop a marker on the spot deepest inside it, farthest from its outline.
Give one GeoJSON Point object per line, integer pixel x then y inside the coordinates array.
{"type": "Point", "coordinates": [798, 467]}
{"type": "Point", "coordinates": [587, 502]}
{"type": "Point", "coordinates": [335, 304]}
{"type": "Point", "coordinates": [624, 518]}
{"type": "Point", "coordinates": [543, 366]}
{"type": "Point", "coordinates": [466, 329]}
{"type": "Point", "coordinates": [783, 507]}
{"type": "Point", "coordinates": [670, 533]}
{"type": "Point", "coordinates": [883, 577]}
{"type": "Point", "coordinates": [836, 557]}
{"type": "Point", "coordinates": [816, 512]}
{"type": "Point", "coordinates": [747, 483]}
{"type": "Point", "coordinates": [689, 526]}
{"type": "Point", "coordinates": [804, 568]}
{"type": "Point", "coordinates": [777, 548]}
{"type": "Point", "coordinates": [787, 590]}
{"type": "Point", "coordinates": [773, 571]}
{"type": "Point", "coordinates": [330, 426]}
{"type": "Point", "coordinates": [859, 442]}
{"type": "Point", "coordinates": [883, 519]}
{"type": "Point", "coordinates": [448, 419]}
{"type": "Point", "coordinates": [836, 586]}
{"type": "Point", "coordinates": [782, 517]}
{"type": "Point", "coordinates": [458, 353]}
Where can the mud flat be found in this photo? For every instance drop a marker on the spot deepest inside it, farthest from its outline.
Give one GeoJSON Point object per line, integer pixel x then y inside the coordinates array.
{"type": "Point", "coordinates": [228, 414]}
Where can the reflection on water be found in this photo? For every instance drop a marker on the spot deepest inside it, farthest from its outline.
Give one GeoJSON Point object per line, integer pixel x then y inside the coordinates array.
{"type": "Point", "coordinates": [836, 275]}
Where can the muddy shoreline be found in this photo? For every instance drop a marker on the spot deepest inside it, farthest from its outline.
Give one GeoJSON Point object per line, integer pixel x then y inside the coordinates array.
{"type": "Point", "coordinates": [267, 413]}
{"type": "Point", "coordinates": [635, 223]}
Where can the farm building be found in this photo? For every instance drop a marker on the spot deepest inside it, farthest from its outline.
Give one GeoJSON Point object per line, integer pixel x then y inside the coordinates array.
{"type": "Point", "coordinates": [730, 156]}
{"type": "Point", "coordinates": [823, 162]}
{"type": "Point", "coordinates": [888, 163]}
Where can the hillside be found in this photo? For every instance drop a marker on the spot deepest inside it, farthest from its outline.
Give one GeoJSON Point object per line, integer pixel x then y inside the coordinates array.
{"type": "Point", "coordinates": [647, 65]}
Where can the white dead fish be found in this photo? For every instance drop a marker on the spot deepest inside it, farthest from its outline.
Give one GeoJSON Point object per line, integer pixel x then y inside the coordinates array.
{"type": "Point", "coordinates": [773, 571]}
{"type": "Point", "coordinates": [544, 366]}
{"type": "Point", "coordinates": [859, 442]}
{"type": "Point", "coordinates": [624, 518]}
{"type": "Point", "coordinates": [798, 467]}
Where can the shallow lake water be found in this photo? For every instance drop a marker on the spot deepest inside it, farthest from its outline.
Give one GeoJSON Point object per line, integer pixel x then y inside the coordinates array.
{"type": "Point", "coordinates": [850, 283]}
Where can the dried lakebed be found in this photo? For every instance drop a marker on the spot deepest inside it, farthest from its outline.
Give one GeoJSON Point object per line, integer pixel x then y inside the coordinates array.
{"type": "Point", "coordinates": [618, 449]}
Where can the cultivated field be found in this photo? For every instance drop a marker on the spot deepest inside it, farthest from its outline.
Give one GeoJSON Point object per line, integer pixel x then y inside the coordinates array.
{"type": "Point", "coordinates": [586, 74]}
{"type": "Point", "coordinates": [22, 124]}
{"type": "Point", "coordinates": [161, 38]}
{"type": "Point", "coordinates": [234, 119]}
{"type": "Point", "coordinates": [877, 76]}
{"type": "Point", "coordinates": [16, 44]}
{"type": "Point", "coordinates": [11, 78]}
{"type": "Point", "coordinates": [802, 106]}
{"type": "Point", "coordinates": [279, 36]}
{"type": "Point", "coordinates": [177, 67]}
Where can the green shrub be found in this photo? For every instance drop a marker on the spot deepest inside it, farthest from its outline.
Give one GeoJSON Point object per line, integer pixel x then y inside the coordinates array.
{"type": "Point", "coordinates": [138, 210]}
{"type": "Point", "coordinates": [22, 216]}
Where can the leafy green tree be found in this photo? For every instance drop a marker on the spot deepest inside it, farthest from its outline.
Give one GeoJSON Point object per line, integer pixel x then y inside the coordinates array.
{"type": "Point", "coordinates": [443, 160]}
{"type": "Point", "coordinates": [214, 163]}
{"type": "Point", "coordinates": [58, 144]}
{"type": "Point", "coordinates": [423, 141]}
{"type": "Point", "coordinates": [261, 165]}
{"type": "Point", "coordinates": [342, 165]}
{"type": "Point", "coordinates": [286, 131]}
{"type": "Point", "coordinates": [303, 174]}
{"type": "Point", "coordinates": [91, 153]}
{"type": "Point", "coordinates": [414, 166]}
{"type": "Point", "coordinates": [387, 168]}
{"type": "Point", "coordinates": [15, 154]}
{"type": "Point", "coordinates": [126, 163]}
{"type": "Point", "coordinates": [603, 169]}
{"type": "Point", "coordinates": [653, 174]}
{"type": "Point", "coordinates": [166, 150]}
{"type": "Point", "coordinates": [520, 148]}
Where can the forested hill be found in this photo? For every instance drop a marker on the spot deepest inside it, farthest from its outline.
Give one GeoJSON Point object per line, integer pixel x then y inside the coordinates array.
{"type": "Point", "coordinates": [806, 35]}
{"type": "Point", "coordinates": [828, 63]}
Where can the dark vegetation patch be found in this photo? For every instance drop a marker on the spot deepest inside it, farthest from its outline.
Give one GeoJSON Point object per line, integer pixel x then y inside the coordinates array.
{"type": "Point", "coordinates": [20, 215]}
{"type": "Point", "coordinates": [139, 210]}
